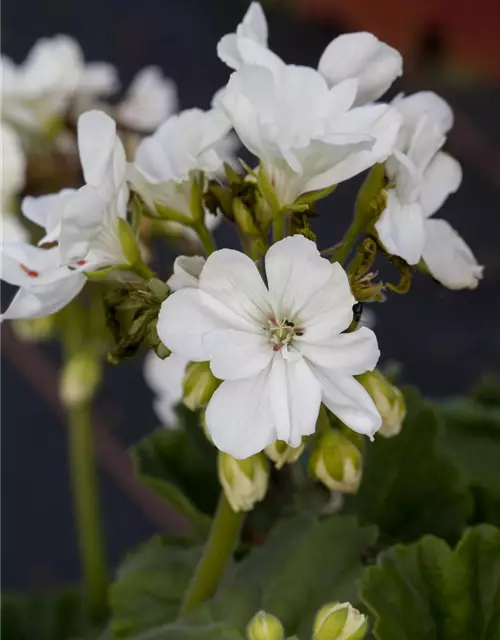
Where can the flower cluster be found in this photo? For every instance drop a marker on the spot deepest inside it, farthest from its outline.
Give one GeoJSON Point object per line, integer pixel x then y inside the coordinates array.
{"type": "Point", "coordinates": [277, 324]}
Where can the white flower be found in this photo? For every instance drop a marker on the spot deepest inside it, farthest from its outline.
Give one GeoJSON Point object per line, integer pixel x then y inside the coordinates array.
{"type": "Point", "coordinates": [279, 350]}
{"type": "Point", "coordinates": [306, 135]}
{"type": "Point", "coordinates": [166, 162]}
{"type": "Point", "coordinates": [165, 379]}
{"type": "Point", "coordinates": [13, 162]}
{"type": "Point", "coordinates": [362, 56]}
{"type": "Point", "coordinates": [53, 74]}
{"type": "Point", "coordinates": [421, 177]}
{"type": "Point", "coordinates": [358, 56]}
{"type": "Point", "coordinates": [187, 270]}
{"type": "Point", "coordinates": [150, 99]}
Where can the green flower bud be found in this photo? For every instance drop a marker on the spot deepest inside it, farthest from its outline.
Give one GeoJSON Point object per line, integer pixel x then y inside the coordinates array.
{"type": "Point", "coordinates": [199, 385]}
{"type": "Point", "coordinates": [388, 399]}
{"type": "Point", "coordinates": [244, 481]}
{"type": "Point", "coordinates": [339, 621]}
{"type": "Point", "coordinates": [79, 380]}
{"type": "Point", "coordinates": [336, 462]}
{"type": "Point", "coordinates": [282, 453]}
{"type": "Point", "coordinates": [34, 329]}
{"type": "Point", "coordinates": [128, 241]}
{"type": "Point", "coordinates": [264, 626]}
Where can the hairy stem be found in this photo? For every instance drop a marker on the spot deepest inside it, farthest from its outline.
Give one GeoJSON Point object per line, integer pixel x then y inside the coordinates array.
{"type": "Point", "coordinates": [349, 240]}
{"type": "Point", "coordinates": [87, 512]}
{"type": "Point", "coordinates": [222, 540]}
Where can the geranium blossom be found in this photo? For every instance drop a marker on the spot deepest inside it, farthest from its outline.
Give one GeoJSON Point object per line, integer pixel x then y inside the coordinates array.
{"type": "Point", "coordinates": [53, 74]}
{"type": "Point", "coordinates": [279, 350]}
{"type": "Point", "coordinates": [305, 134]}
{"type": "Point", "coordinates": [421, 177]}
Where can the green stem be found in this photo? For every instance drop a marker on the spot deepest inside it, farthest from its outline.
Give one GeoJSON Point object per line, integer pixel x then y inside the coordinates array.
{"type": "Point", "coordinates": [87, 513]}
{"type": "Point", "coordinates": [142, 270]}
{"type": "Point", "coordinates": [224, 535]}
{"type": "Point", "coordinates": [349, 240]}
{"type": "Point", "coordinates": [205, 237]}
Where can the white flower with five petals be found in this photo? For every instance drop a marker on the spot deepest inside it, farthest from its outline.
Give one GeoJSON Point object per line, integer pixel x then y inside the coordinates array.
{"type": "Point", "coordinates": [421, 176]}
{"type": "Point", "coordinates": [279, 350]}
{"type": "Point", "coordinates": [305, 134]}
{"type": "Point", "coordinates": [167, 162]}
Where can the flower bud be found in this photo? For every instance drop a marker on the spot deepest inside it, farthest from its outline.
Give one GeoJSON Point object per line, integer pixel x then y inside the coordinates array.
{"type": "Point", "coordinates": [128, 242]}
{"type": "Point", "coordinates": [34, 329]}
{"type": "Point", "coordinates": [339, 621]}
{"type": "Point", "coordinates": [244, 481]}
{"type": "Point", "coordinates": [199, 385]}
{"type": "Point", "coordinates": [264, 626]}
{"type": "Point", "coordinates": [282, 453]}
{"type": "Point", "coordinates": [336, 462]}
{"type": "Point", "coordinates": [388, 399]}
{"type": "Point", "coordinates": [79, 380]}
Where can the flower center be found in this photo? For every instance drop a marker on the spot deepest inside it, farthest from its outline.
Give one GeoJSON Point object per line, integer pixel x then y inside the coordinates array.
{"type": "Point", "coordinates": [281, 333]}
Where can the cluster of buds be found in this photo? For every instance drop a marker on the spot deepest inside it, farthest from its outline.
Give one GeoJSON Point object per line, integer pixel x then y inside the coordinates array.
{"type": "Point", "coordinates": [282, 453]}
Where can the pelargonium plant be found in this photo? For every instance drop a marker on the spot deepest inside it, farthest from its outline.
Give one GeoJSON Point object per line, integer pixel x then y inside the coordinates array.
{"type": "Point", "coordinates": [322, 501]}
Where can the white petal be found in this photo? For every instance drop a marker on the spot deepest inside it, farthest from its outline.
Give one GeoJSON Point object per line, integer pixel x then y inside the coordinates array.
{"type": "Point", "coordinates": [237, 354]}
{"type": "Point", "coordinates": [12, 229]}
{"type": "Point", "coordinates": [98, 79]}
{"type": "Point", "coordinates": [401, 229]}
{"type": "Point", "coordinates": [233, 279]}
{"type": "Point", "coordinates": [83, 215]}
{"type": "Point", "coordinates": [165, 377]}
{"type": "Point", "coordinates": [329, 310]}
{"type": "Point", "coordinates": [449, 258]}
{"type": "Point", "coordinates": [361, 55]}
{"type": "Point", "coordinates": [187, 315]}
{"type": "Point", "coordinates": [442, 177]}
{"type": "Point", "coordinates": [96, 142]}
{"type": "Point", "coordinates": [348, 400]}
{"type": "Point", "coordinates": [45, 300]}
{"type": "Point", "coordinates": [295, 270]}
{"type": "Point", "coordinates": [424, 103]}
{"type": "Point", "coordinates": [254, 24]}
{"type": "Point", "coordinates": [187, 271]}
{"type": "Point", "coordinates": [150, 99]}
{"type": "Point", "coordinates": [348, 353]}
{"type": "Point", "coordinates": [24, 265]}
{"type": "Point", "coordinates": [239, 416]}
{"type": "Point", "coordinates": [295, 397]}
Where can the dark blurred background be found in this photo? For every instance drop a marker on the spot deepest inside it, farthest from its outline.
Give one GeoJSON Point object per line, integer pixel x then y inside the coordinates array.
{"type": "Point", "coordinates": [444, 340]}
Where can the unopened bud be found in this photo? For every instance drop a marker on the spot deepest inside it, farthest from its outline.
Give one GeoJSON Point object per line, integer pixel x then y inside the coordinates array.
{"type": "Point", "coordinates": [128, 241]}
{"type": "Point", "coordinates": [339, 621]}
{"type": "Point", "coordinates": [282, 453]}
{"type": "Point", "coordinates": [264, 626]}
{"type": "Point", "coordinates": [34, 329]}
{"type": "Point", "coordinates": [244, 481]}
{"type": "Point", "coordinates": [244, 218]}
{"type": "Point", "coordinates": [79, 380]}
{"type": "Point", "coordinates": [388, 399]}
{"type": "Point", "coordinates": [199, 385]}
{"type": "Point", "coordinates": [336, 462]}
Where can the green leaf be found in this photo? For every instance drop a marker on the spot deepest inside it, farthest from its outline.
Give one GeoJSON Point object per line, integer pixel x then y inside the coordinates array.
{"type": "Point", "coordinates": [310, 197]}
{"type": "Point", "coordinates": [426, 591]}
{"type": "Point", "coordinates": [180, 465]}
{"type": "Point", "coordinates": [199, 630]}
{"type": "Point", "coordinates": [409, 486]}
{"type": "Point", "coordinates": [150, 585]}
{"type": "Point", "coordinates": [304, 563]}
{"type": "Point", "coordinates": [52, 616]}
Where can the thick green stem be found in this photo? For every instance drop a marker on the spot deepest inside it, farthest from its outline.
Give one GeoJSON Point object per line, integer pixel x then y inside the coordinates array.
{"type": "Point", "coordinates": [87, 512]}
{"type": "Point", "coordinates": [224, 535]}
{"type": "Point", "coordinates": [205, 237]}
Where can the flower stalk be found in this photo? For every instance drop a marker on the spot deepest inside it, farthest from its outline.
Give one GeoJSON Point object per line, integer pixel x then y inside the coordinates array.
{"type": "Point", "coordinates": [222, 540]}
{"type": "Point", "coordinates": [205, 237]}
{"type": "Point", "coordinates": [84, 485]}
